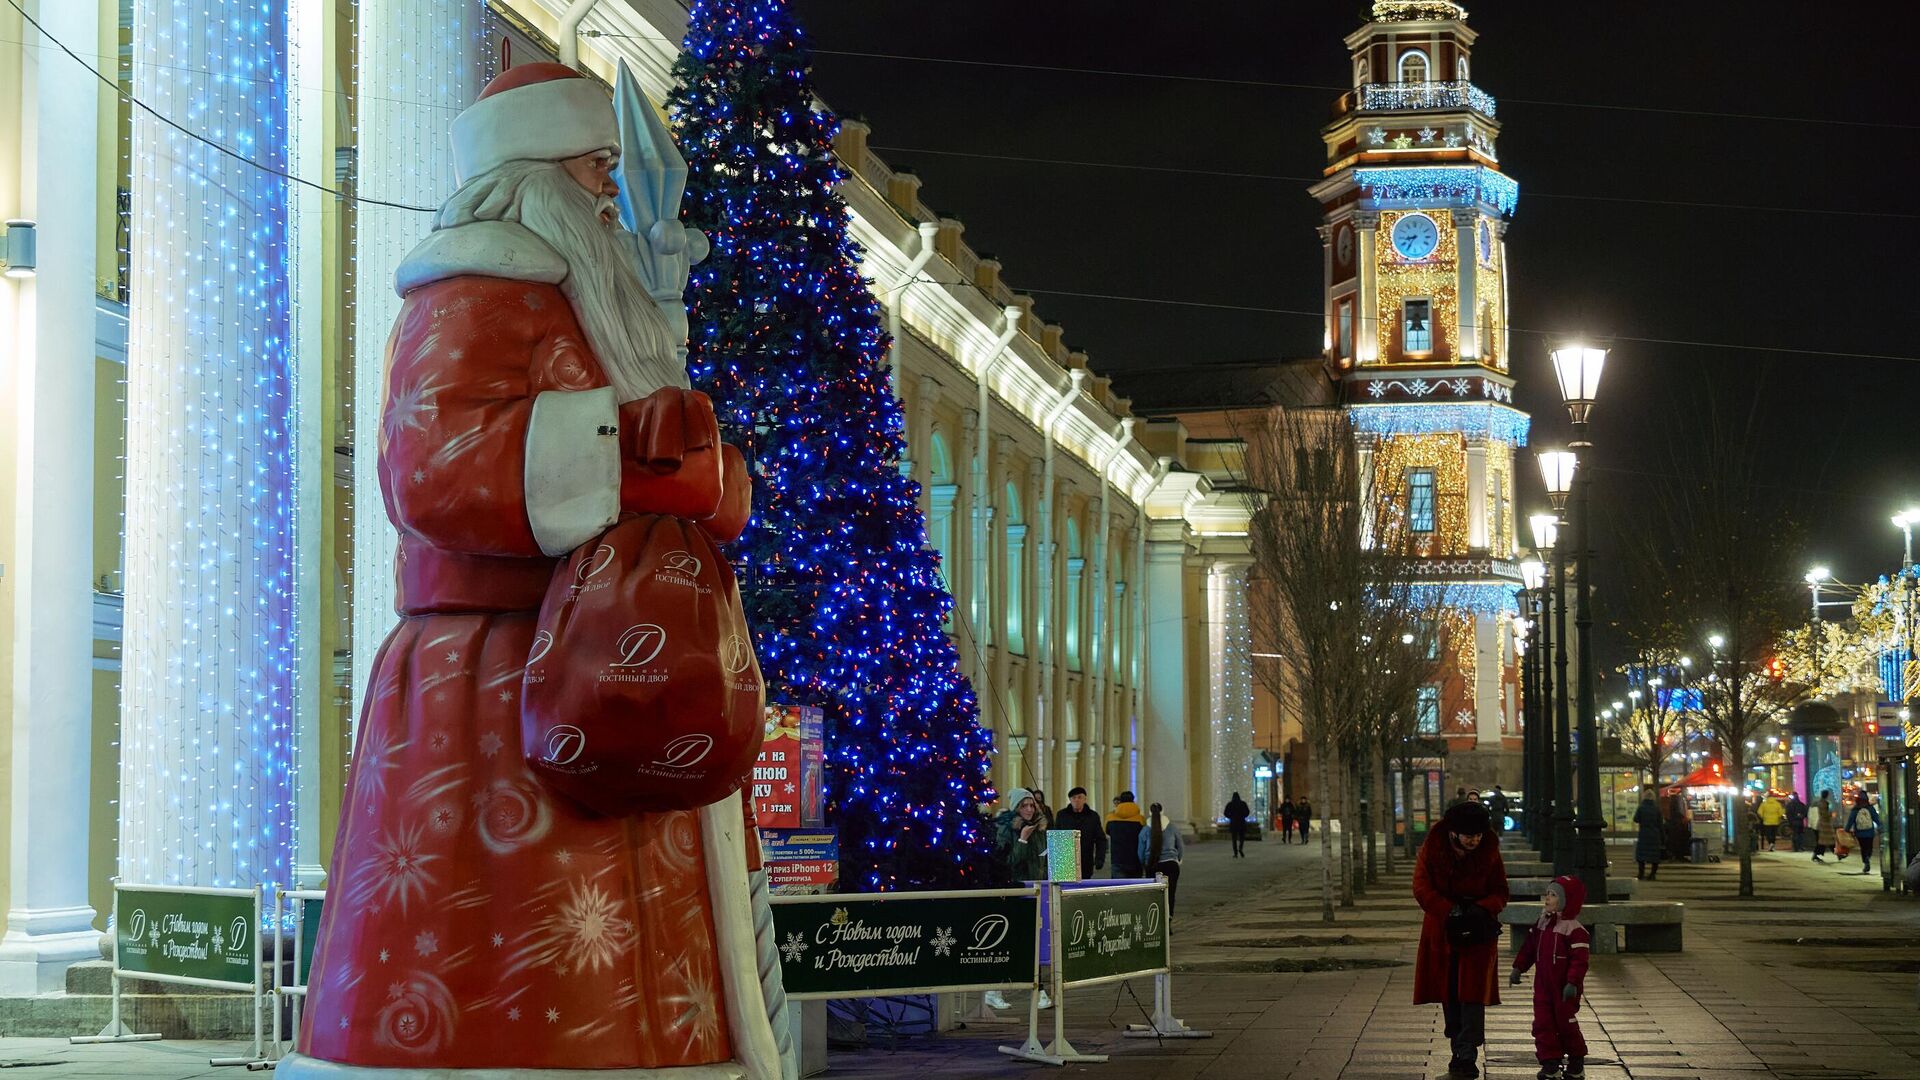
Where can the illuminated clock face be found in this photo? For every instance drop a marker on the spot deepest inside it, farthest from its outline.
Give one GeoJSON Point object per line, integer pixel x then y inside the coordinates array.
{"type": "Point", "coordinates": [1415, 236]}
{"type": "Point", "coordinates": [1343, 246]}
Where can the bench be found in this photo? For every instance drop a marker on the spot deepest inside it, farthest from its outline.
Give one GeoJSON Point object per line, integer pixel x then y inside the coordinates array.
{"type": "Point", "coordinates": [1651, 925]}
{"type": "Point", "coordinates": [1529, 868]}
{"type": "Point", "coordinates": [1533, 888]}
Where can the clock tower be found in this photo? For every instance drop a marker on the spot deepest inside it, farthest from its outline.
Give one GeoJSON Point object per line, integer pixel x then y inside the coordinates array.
{"type": "Point", "coordinates": [1416, 212]}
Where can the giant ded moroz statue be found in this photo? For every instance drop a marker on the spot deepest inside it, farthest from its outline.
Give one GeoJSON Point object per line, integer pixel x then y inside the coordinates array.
{"type": "Point", "coordinates": [544, 860]}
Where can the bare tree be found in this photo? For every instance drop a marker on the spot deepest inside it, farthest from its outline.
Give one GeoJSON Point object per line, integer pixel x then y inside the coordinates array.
{"type": "Point", "coordinates": [1725, 551]}
{"type": "Point", "coordinates": [1648, 729]}
{"type": "Point", "coordinates": [1334, 578]}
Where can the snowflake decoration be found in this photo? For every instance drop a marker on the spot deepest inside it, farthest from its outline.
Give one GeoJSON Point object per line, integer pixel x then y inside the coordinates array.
{"type": "Point", "coordinates": [343, 1023]}
{"type": "Point", "coordinates": [1419, 388]}
{"type": "Point", "coordinates": [483, 491]}
{"type": "Point", "coordinates": [499, 940]}
{"type": "Point", "coordinates": [1377, 137]}
{"type": "Point", "coordinates": [795, 948]}
{"type": "Point", "coordinates": [1377, 388]}
{"type": "Point", "coordinates": [490, 744]}
{"type": "Point", "coordinates": [426, 943]}
{"type": "Point", "coordinates": [943, 940]}
{"type": "Point", "coordinates": [395, 990]}
{"type": "Point", "coordinates": [563, 857]}
{"type": "Point", "coordinates": [513, 1013]}
{"type": "Point", "coordinates": [1427, 134]}
{"type": "Point", "coordinates": [553, 1016]}
{"type": "Point", "coordinates": [791, 788]}
{"type": "Point", "coordinates": [219, 939]}
{"type": "Point", "coordinates": [384, 954]}
{"type": "Point", "coordinates": [593, 927]}
{"type": "Point", "coordinates": [506, 696]}
{"type": "Point", "coordinates": [438, 741]}
{"type": "Point", "coordinates": [453, 657]}
{"type": "Point", "coordinates": [1460, 386]}
{"type": "Point", "coordinates": [419, 476]}
{"type": "Point", "coordinates": [411, 407]}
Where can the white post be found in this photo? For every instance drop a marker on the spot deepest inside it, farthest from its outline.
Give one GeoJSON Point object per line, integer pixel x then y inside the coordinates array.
{"type": "Point", "coordinates": [1477, 538]}
{"type": "Point", "coordinates": [47, 338]}
{"type": "Point", "coordinates": [1467, 234]}
{"type": "Point", "coordinates": [1166, 678]}
{"type": "Point", "coordinates": [1369, 336]}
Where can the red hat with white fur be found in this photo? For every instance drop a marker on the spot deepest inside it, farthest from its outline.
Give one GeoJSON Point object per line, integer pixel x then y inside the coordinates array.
{"type": "Point", "coordinates": [532, 112]}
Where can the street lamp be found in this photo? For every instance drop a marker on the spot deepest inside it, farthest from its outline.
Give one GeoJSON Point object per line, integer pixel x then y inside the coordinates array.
{"type": "Point", "coordinates": [1579, 368]}
{"type": "Point", "coordinates": [1556, 469]}
{"type": "Point", "coordinates": [1813, 578]}
{"type": "Point", "coordinates": [1544, 787]}
{"type": "Point", "coordinates": [1904, 521]}
{"type": "Point", "coordinates": [1533, 575]}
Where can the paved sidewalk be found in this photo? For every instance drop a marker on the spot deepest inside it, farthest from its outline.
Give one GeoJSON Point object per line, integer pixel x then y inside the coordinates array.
{"type": "Point", "coordinates": [1814, 979]}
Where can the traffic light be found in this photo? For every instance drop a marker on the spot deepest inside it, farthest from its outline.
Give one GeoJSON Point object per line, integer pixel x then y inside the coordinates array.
{"type": "Point", "coordinates": [1873, 728]}
{"type": "Point", "coordinates": [1777, 669]}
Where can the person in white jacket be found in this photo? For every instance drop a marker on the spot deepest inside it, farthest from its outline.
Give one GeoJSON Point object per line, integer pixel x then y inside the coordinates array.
{"type": "Point", "coordinates": [1160, 851]}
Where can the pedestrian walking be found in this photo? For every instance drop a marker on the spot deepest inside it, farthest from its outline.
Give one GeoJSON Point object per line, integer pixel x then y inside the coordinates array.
{"type": "Point", "coordinates": [1160, 851]}
{"type": "Point", "coordinates": [1797, 821]}
{"type": "Point", "coordinates": [1020, 837]}
{"type": "Point", "coordinates": [1499, 805]}
{"type": "Point", "coordinates": [1557, 949]}
{"type": "Point", "coordinates": [1237, 813]}
{"type": "Point", "coordinates": [1303, 815]}
{"type": "Point", "coordinates": [1680, 829]}
{"type": "Point", "coordinates": [1772, 815]}
{"type": "Point", "coordinates": [1085, 820]}
{"type": "Point", "coordinates": [1459, 796]}
{"type": "Point", "coordinates": [1286, 821]}
{"type": "Point", "coordinates": [1863, 821]}
{"type": "Point", "coordinates": [1651, 844]}
{"type": "Point", "coordinates": [1124, 825]}
{"type": "Point", "coordinates": [1826, 826]}
{"type": "Point", "coordinates": [1460, 883]}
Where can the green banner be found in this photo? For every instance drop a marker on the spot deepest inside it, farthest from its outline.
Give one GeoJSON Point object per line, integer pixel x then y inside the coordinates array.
{"type": "Point", "coordinates": [309, 933]}
{"type": "Point", "coordinates": [1104, 934]}
{"type": "Point", "coordinates": [840, 945]}
{"type": "Point", "coordinates": [191, 935]}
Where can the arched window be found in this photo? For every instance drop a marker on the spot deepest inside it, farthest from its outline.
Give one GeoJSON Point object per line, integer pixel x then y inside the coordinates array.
{"type": "Point", "coordinates": [1362, 73]}
{"type": "Point", "coordinates": [1414, 67]}
{"type": "Point", "coordinates": [1460, 69]}
{"type": "Point", "coordinates": [1016, 572]}
{"type": "Point", "coordinates": [941, 495]}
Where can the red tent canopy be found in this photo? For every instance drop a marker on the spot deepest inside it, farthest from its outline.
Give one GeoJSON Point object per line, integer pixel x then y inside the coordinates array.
{"type": "Point", "coordinates": [1708, 775]}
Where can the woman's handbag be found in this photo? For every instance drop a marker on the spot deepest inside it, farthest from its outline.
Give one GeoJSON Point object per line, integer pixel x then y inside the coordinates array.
{"type": "Point", "coordinates": [1470, 924]}
{"type": "Point", "coordinates": [641, 692]}
{"type": "Point", "coordinates": [1842, 843]}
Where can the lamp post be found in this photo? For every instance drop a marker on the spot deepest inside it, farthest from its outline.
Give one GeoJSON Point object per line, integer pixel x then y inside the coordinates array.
{"type": "Point", "coordinates": [1579, 368]}
{"type": "Point", "coordinates": [1904, 521]}
{"type": "Point", "coordinates": [1546, 530]}
{"type": "Point", "coordinates": [1557, 468]}
{"type": "Point", "coordinates": [1814, 577]}
{"type": "Point", "coordinates": [1533, 573]}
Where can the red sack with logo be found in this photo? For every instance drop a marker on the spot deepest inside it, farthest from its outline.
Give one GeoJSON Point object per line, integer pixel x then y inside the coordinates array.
{"type": "Point", "coordinates": [641, 692]}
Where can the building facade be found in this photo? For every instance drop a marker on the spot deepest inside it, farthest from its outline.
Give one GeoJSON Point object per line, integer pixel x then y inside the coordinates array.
{"type": "Point", "coordinates": [178, 708]}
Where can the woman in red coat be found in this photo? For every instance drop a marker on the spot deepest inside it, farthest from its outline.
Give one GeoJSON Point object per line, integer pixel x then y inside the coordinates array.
{"type": "Point", "coordinates": [1459, 869]}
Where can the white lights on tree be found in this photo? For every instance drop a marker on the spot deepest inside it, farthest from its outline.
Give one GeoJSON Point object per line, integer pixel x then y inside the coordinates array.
{"type": "Point", "coordinates": [207, 700]}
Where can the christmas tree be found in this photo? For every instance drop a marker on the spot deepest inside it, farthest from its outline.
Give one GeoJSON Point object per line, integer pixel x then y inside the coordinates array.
{"type": "Point", "coordinates": [845, 596]}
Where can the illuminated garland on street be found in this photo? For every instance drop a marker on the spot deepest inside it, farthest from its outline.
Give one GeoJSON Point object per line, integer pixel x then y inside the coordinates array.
{"type": "Point", "coordinates": [845, 597]}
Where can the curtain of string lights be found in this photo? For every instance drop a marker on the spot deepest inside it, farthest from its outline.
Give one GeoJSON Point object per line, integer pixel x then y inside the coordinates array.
{"type": "Point", "coordinates": [206, 794]}
{"type": "Point", "coordinates": [419, 62]}
{"type": "Point", "coordinates": [1231, 643]}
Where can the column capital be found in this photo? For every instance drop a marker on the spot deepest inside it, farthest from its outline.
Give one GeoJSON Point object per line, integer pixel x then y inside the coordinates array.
{"type": "Point", "coordinates": [1465, 215]}
{"type": "Point", "coordinates": [1366, 220]}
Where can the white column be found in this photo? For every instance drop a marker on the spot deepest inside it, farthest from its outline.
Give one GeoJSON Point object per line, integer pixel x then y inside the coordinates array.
{"type": "Point", "coordinates": [1487, 668]}
{"type": "Point", "coordinates": [421, 62]}
{"type": "Point", "coordinates": [1465, 227]}
{"type": "Point", "coordinates": [210, 641]}
{"type": "Point", "coordinates": [47, 337]}
{"type": "Point", "coordinates": [1367, 331]}
{"type": "Point", "coordinates": [1329, 333]}
{"type": "Point", "coordinates": [1477, 495]}
{"type": "Point", "coordinates": [1363, 454]}
{"type": "Point", "coordinates": [1230, 649]}
{"type": "Point", "coordinates": [1165, 665]}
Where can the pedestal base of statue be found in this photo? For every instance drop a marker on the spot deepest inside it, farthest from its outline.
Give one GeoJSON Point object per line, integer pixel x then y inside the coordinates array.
{"type": "Point", "coordinates": [302, 1067]}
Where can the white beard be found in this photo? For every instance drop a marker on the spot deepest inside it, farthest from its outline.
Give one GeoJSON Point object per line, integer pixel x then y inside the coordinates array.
{"type": "Point", "coordinates": [626, 332]}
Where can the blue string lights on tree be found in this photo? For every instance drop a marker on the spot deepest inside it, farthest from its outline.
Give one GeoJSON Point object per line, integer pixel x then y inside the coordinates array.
{"type": "Point", "coordinates": [844, 595]}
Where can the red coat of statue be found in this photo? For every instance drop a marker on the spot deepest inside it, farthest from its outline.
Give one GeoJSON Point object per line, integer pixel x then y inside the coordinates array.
{"type": "Point", "coordinates": [474, 918]}
{"type": "Point", "coordinates": [1443, 876]}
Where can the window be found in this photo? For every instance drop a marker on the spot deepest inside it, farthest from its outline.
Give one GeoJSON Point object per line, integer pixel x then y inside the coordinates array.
{"type": "Point", "coordinates": [1416, 326]}
{"type": "Point", "coordinates": [1420, 500]}
{"type": "Point", "coordinates": [1016, 566]}
{"type": "Point", "coordinates": [1343, 345]}
{"type": "Point", "coordinates": [1413, 66]}
{"type": "Point", "coordinates": [1362, 73]}
{"type": "Point", "coordinates": [1460, 68]}
{"type": "Point", "coordinates": [1076, 574]}
{"type": "Point", "coordinates": [1426, 710]}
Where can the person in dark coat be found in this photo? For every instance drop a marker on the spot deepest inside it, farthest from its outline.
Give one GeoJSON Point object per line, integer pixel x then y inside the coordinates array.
{"type": "Point", "coordinates": [1237, 812]}
{"type": "Point", "coordinates": [1458, 869]}
{"type": "Point", "coordinates": [1499, 805]}
{"type": "Point", "coordinates": [1652, 841]}
{"type": "Point", "coordinates": [1303, 816]}
{"type": "Point", "coordinates": [1286, 821]}
{"type": "Point", "coordinates": [1020, 836]}
{"type": "Point", "coordinates": [1680, 829]}
{"type": "Point", "coordinates": [1797, 821]}
{"type": "Point", "coordinates": [1093, 836]}
{"type": "Point", "coordinates": [1123, 836]}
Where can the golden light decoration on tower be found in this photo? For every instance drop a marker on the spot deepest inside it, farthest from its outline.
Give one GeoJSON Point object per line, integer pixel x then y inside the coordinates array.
{"type": "Point", "coordinates": [1445, 454]}
{"type": "Point", "coordinates": [1435, 278]}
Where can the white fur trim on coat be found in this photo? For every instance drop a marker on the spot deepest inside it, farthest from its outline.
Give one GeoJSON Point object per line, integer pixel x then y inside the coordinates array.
{"type": "Point", "coordinates": [543, 121]}
{"type": "Point", "coordinates": [501, 249]}
{"type": "Point", "coordinates": [723, 833]}
{"type": "Point", "coordinates": [572, 478]}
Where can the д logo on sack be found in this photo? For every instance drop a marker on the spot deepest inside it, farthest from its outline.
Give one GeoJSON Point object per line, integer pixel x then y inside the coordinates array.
{"type": "Point", "coordinates": [641, 691]}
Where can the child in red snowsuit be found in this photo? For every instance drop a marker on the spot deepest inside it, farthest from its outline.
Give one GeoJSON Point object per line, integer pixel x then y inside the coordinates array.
{"type": "Point", "coordinates": [1556, 948]}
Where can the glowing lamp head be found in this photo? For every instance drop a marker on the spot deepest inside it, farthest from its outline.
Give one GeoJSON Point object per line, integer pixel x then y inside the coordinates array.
{"type": "Point", "coordinates": [1716, 641]}
{"type": "Point", "coordinates": [1906, 518]}
{"type": "Point", "coordinates": [1556, 470]}
{"type": "Point", "coordinates": [1578, 368]}
{"type": "Point", "coordinates": [1817, 575]}
{"type": "Point", "coordinates": [1546, 529]}
{"type": "Point", "coordinates": [1534, 572]}
{"type": "Point", "coordinates": [19, 251]}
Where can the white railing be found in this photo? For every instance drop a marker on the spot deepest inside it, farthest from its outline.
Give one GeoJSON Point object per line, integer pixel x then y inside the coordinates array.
{"type": "Point", "coordinates": [1376, 97]}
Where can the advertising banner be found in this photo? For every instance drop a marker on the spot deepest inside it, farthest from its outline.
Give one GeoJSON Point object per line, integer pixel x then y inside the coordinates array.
{"type": "Point", "coordinates": [800, 861]}
{"type": "Point", "coordinates": [847, 945]}
{"type": "Point", "coordinates": [1112, 933]}
{"type": "Point", "coordinates": [187, 935]}
{"type": "Point", "coordinates": [787, 775]}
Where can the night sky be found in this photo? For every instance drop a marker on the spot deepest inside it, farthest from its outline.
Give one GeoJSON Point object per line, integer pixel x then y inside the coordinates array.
{"type": "Point", "coordinates": [1613, 103]}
